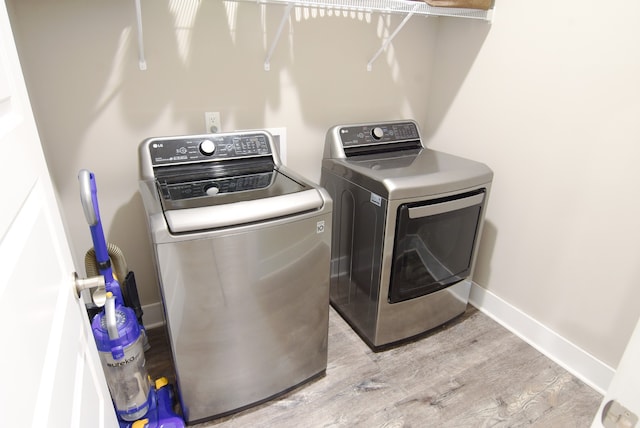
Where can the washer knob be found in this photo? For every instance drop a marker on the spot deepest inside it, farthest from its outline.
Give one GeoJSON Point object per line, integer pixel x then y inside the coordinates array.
{"type": "Point", "coordinates": [207, 147]}
{"type": "Point", "coordinates": [377, 133]}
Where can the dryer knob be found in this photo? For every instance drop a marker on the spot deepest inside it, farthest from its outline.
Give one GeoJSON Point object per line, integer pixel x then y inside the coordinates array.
{"type": "Point", "coordinates": [377, 133]}
{"type": "Point", "coordinates": [207, 147]}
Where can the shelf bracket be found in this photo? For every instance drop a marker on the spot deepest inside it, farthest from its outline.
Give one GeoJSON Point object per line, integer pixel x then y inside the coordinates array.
{"type": "Point", "coordinates": [285, 16]}
{"type": "Point", "coordinates": [142, 63]}
{"type": "Point", "coordinates": [391, 37]}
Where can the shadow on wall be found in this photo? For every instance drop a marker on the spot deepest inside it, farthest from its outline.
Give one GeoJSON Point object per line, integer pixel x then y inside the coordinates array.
{"type": "Point", "coordinates": [129, 220]}
{"type": "Point", "coordinates": [482, 271]}
{"type": "Point", "coordinates": [332, 83]}
{"type": "Point", "coordinates": [202, 56]}
{"type": "Point", "coordinates": [212, 56]}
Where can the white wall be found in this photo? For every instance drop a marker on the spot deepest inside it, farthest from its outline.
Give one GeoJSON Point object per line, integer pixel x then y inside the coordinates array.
{"type": "Point", "coordinates": [550, 99]}
{"type": "Point", "coordinates": [547, 96]}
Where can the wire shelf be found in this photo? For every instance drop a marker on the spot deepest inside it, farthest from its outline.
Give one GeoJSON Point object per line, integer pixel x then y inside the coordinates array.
{"type": "Point", "coordinates": [417, 7]}
{"type": "Point", "coordinates": [408, 8]}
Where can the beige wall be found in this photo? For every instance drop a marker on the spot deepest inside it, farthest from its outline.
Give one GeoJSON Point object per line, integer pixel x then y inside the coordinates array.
{"type": "Point", "coordinates": [551, 101]}
{"type": "Point", "coordinates": [548, 98]}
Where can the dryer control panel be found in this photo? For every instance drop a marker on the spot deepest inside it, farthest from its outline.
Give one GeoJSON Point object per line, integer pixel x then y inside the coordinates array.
{"type": "Point", "coordinates": [203, 148]}
{"type": "Point", "coordinates": [374, 134]}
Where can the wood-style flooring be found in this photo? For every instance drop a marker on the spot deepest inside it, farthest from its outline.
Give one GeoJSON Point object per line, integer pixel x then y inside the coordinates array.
{"type": "Point", "coordinates": [471, 372]}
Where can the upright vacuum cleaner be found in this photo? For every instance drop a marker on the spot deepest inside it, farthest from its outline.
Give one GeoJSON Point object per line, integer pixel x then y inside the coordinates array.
{"type": "Point", "coordinates": [119, 335]}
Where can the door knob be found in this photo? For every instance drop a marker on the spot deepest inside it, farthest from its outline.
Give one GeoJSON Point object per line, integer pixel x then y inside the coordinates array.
{"type": "Point", "coordinates": [614, 415]}
{"type": "Point", "coordinates": [95, 285]}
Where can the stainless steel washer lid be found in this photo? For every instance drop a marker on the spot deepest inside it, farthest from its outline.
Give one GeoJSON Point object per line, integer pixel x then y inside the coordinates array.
{"type": "Point", "coordinates": [203, 190]}
{"type": "Point", "coordinates": [410, 174]}
{"type": "Point", "coordinates": [237, 200]}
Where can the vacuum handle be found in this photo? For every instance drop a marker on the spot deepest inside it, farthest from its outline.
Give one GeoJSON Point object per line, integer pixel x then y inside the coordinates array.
{"type": "Point", "coordinates": [110, 315]}
{"type": "Point", "coordinates": [88, 192]}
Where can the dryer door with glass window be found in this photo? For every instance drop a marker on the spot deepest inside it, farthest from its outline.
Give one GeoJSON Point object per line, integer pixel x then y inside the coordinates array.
{"type": "Point", "coordinates": [434, 244]}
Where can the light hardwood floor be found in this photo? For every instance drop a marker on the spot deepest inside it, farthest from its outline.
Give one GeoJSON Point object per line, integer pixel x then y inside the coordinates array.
{"type": "Point", "coordinates": [471, 372]}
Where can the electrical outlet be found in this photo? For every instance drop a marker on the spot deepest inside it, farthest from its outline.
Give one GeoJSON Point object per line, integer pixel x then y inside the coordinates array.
{"type": "Point", "coordinates": [212, 122]}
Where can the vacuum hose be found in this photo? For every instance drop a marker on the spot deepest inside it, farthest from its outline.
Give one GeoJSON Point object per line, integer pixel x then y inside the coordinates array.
{"type": "Point", "coordinates": [125, 278]}
{"type": "Point", "coordinates": [118, 263]}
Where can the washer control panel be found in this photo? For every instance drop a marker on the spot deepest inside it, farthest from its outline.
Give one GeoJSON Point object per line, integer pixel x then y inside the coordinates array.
{"type": "Point", "coordinates": [208, 147]}
{"type": "Point", "coordinates": [212, 187]}
{"type": "Point", "coordinates": [373, 134]}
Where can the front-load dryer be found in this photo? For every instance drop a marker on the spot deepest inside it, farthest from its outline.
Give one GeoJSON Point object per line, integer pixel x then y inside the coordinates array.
{"type": "Point", "coordinates": [406, 225]}
{"type": "Point", "coordinates": [242, 247]}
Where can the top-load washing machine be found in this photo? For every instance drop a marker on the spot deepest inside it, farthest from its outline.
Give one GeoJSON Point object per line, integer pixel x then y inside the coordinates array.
{"type": "Point", "coordinates": [242, 250]}
{"type": "Point", "coordinates": [406, 225]}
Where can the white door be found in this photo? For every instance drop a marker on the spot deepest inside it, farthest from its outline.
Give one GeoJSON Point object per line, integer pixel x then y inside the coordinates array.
{"type": "Point", "coordinates": [51, 374]}
{"type": "Point", "coordinates": [621, 404]}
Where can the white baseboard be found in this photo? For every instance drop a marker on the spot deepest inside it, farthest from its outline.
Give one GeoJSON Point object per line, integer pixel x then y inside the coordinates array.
{"type": "Point", "coordinates": [575, 360]}
{"type": "Point", "coordinates": [153, 315]}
